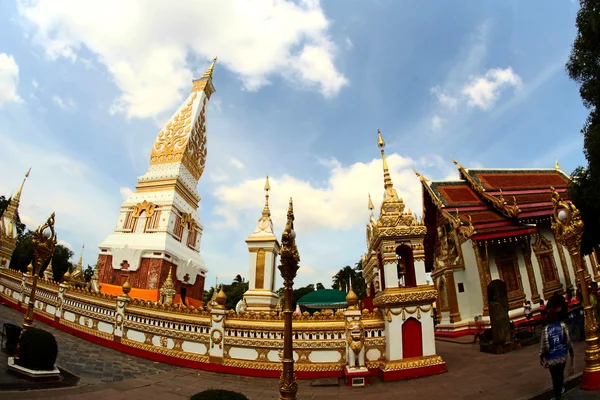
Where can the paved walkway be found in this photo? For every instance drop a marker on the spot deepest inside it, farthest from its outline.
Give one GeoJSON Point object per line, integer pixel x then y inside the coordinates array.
{"type": "Point", "coordinates": [93, 364]}
{"type": "Point", "coordinates": [472, 375]}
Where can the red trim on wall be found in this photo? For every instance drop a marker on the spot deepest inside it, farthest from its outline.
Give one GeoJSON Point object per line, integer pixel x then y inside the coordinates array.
{"type": "Point", "coordinates": [461, 209]}
{"type": "Point", "coordinates": [536, 213]}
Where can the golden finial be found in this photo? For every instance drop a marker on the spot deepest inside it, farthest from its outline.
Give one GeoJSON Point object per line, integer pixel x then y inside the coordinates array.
{"type": "Point", "coordinates": [80, 262]}
{"type": "Point", "coordinates": [126, 287]}
{"type": "Point", "coordinates": [371, 206]}
{"type": "Point", "coordinates": [221, 298]}
{"type": "Point", "coordinates": [351, 297]}
{"type": "Point", "coordinates": [380, 141]}
{"type": "Point", "coordinates": [17, 196]}
{"type": "Point", "coordinates": [266, 211]}
{"type": "Point", "coordinates": [209, 71]}
{"type": "Point", "coordinates": [387, 179]}
{"type": "Point", "coordinates": [556, 166]}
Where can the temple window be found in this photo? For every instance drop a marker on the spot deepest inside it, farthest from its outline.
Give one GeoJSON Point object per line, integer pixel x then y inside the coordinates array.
{"type": "Point", "coordinates": [130, 222]}
{"type": "Point", "coordinates": [406, 266]}
{"type": "Point", "coordinates": [178, 228]}
{"type": "Point", "coordinates": [191, 239]}
{"type": "Point", "coordinates": [152, 222]}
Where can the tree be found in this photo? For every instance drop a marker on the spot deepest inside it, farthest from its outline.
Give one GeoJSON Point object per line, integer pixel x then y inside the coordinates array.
{"type": "Point", "coordinates": [341, 280]}
{"type": "Point", "coordinates": [208, 295]}
{"type": "Point", "coordinates": [320, 286]}
{"type": "Point", "coordinates": [4, 202]}
{"type": "Point", "coordinates": [584, 68]}
{"type": "Point", "coordinates": [298, 293]}
{"type": "Point", "coordinates": [23, 256]}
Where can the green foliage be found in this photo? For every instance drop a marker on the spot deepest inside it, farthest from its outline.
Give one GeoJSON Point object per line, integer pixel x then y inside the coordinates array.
{"type": "Point", "coordinates": [208, 295]}
{"type": "Point", "coordinates": [297, 293]}
{"type": "Point", "coordinates": [218, 394]}
{"type": "Point", "coordinates": [23, 255]}
{"type": "Point", "coordinates": [584, 68]}
{"type": "Point", "coordinates": [19, 225]}
{"type": "Point", "coordinates": [341, 280]}
{"type": "Point", "coordinates": [320, 286]}
{"type": "Point", "coordinates": [37, 350]}
{"type": "Point", "coordinates": [235, 292]}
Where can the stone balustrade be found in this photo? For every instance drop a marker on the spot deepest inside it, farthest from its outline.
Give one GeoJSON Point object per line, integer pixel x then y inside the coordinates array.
{"type": "Point", "coordinates": [245, 343]}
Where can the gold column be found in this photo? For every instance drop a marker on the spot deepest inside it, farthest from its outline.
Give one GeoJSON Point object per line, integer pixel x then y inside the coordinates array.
{"type": "Point", "coordinates": [288, 387]}
{"type": "Point", "coordinates": [438, 308]}
{"type": "Point", "coordinates": [563, 263]}
{"type": "Point", "coordinates": [535, 295]}
{"type": "Point", "coordinates": [568, 228]}
{"type": "Point", "coordinates": [43, 242]}
{"type": "Point", "coordinates": [452, 298]}
{"type": "Point", "coordinates": [596, 267]}
{"type": "Point", "coordinates": [485, 277]}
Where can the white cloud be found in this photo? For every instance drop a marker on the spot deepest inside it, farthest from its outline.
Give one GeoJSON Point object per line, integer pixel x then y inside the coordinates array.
{"type": "Point", "coordinates": [9, 80]}
{"type": "Point", "coordinates": [443, 98]}
{"type": "Point", "coordinates": [65, 244]}
{"type": "Point", "coordinates": [483, 91]}
{"type": "Point", "coordinates": [64, 104]}
{"type": "Point", "coordinates": [236, 163]}
{"type": "Point", "coordinates": [340, 204]}
{"type": "Point", "coordinates": [218, 176]}
{"type": "Point", "coordinates": [35, 83]}
{"type": "Point", "coordinates": [125, 192]}
{"type": "Point", "coordinates": [85, 210]}
{"type": "Point", "coordinates": [144, 46]}
{"type": "Point", "coordinates": [436, 123]}
{"type": "Point", "coordinates": [349, 44]}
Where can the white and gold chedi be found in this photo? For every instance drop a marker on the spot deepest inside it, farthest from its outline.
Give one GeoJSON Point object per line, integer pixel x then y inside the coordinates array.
{"type": "Point", "coordinates": [8, 226]}
{"type": "Point", "coordinates": [263, 247]}
{"type": "Point", "coordinates": [160, 220]}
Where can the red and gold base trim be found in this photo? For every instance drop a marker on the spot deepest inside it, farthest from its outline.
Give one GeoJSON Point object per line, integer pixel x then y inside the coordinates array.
{"type": "Point", "coordinates": [393, 370]}
{"type": "Point", "coordinates": [590, 380]}
{"type": "Point", "coordinates": [413, 367]}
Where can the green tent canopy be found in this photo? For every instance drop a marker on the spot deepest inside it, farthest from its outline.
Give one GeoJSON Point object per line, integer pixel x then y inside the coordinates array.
{"type": "Point", "coordinates": [325, 298]}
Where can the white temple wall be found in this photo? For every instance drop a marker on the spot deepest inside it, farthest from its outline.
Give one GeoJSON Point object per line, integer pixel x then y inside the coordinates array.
{"type": "Point", "coordinates": [420, 272]}
{"type": "Point", "coordinates": [428, 334]}
{"type": "Point", "coordinates": [470, 302]}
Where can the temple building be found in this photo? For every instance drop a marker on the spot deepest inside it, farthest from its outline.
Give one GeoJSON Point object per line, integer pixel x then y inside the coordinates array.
{"type": "Point", "coordinates": [263, 247]}
{"type": "Point", "coordinates": [494, 224]}
{"type": "Point", "coordinates": [8, 226]}
{"type": "Point", "coordinates": [159, 228]}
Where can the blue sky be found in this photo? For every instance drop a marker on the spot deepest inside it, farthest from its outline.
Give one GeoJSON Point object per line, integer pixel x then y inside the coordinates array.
{"type": "Point", "coordinates": [302, 88]}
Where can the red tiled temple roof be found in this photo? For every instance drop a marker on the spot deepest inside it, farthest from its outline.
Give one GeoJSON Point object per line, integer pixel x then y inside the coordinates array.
{"type": "Point", "coordinates": [488, 198]}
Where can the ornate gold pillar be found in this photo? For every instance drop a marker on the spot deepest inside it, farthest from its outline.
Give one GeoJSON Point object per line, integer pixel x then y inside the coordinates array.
{"type": "Point", "coordinates": [563, 263]}
{"type": "Point", "coordinates": [535, 295]}
{"type": "Point", "coordinates": [438, 303]}
{"type": "Point", "coordinates": [485, 277]}
{"type": "Point", "coordinates": [452, 297]}
{"type": "Point", "coordinates": [594, 263]}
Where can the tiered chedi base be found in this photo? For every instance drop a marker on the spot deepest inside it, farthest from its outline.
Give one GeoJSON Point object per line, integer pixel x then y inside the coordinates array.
{"type": "Point", "coordinates": [149, 276]}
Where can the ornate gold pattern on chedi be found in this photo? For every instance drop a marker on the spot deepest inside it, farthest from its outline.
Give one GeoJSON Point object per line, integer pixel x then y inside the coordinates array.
{"type": "Point", "coordinates": [327, 315]}
{"type": "Point", "coordinates": [144, 206]}
{"type": "Point", "coordinates": [389, 298]}
{"type": "Point", "coordinates": [183, 140]}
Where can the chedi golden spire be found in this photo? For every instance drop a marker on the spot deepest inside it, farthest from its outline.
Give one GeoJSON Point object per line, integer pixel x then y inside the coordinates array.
{"type": "Point", "coordinates": [209, 71]}
{"type": "Point", "coordinates": [390, 192]}
{"type": "Point", "coordinates": [265, 224]}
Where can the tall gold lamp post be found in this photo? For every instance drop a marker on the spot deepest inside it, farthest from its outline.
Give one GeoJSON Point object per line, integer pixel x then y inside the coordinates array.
{"type": "Point", "coordinates": [568, 228]}
{"type": "Point", "coordinates": [44, 242]}
{"type": "Point", "coordinates": [288, 387]}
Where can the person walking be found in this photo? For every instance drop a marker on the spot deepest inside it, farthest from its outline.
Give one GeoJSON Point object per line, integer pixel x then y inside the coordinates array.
{"type": "Point", "coordinates": [555, 345]}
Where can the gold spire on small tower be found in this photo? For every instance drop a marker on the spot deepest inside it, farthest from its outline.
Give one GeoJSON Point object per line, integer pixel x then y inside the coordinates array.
{"type": "Point", "coordinates": [48, 273]}
{"type": "Point", "coordinates": [209, 71]}
{"type": "Point", "coordinates": [390, 192]}
{"type": "Point", "coordinates": [371, 206]}
{"type": "Point", "coordinates": [556, 166]}
{"type": "Point", "coordinates": [265, 224]}
{"type": "Point", "coordinates": [17, 196]}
